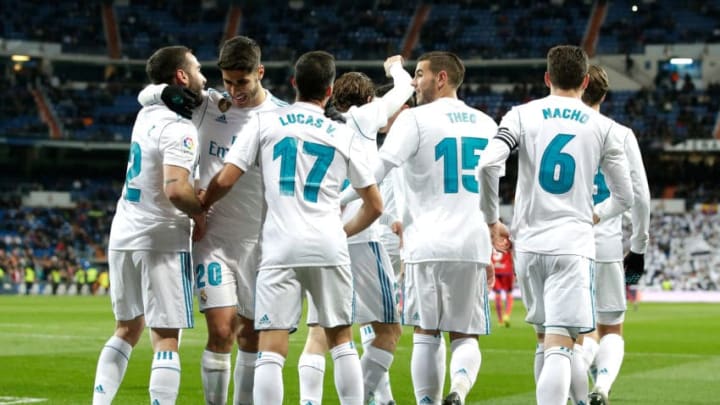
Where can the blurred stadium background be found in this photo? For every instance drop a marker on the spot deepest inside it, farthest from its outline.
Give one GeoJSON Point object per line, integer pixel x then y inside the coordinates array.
{"type": "Point", "coordinates": [71, 71]}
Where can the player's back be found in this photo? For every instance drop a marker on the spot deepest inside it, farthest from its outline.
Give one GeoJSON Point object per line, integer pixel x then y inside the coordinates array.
{"type": "Point", "coordinates": [305, 160]}
{"type": "Point", "coordinates": [561, 143]}
{"type": "Point", "coordinates": [145, 217]}
{"type": "Point", "coordinates": [441, 217]}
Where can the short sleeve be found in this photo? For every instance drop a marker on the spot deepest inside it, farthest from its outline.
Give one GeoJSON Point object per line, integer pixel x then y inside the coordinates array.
{"type": "Point", "coordinates": [244, 151]}
{"type": "Point", "coordinates": [178, 144]}
{"type": "Point", "coordinates": [403, 140]}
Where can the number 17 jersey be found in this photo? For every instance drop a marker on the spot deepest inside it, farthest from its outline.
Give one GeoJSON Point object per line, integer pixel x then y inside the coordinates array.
{"type": "Point", "coordinates": [304, 158]}
{"type": "Point", "coordinates": [437, 146]}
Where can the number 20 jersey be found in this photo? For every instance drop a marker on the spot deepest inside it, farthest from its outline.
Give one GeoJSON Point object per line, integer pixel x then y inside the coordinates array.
{"type": "Point", "coordinates": [437, 147]}
{"type": "Point", "coordinates": [560, 142]}
{"type": "Point", "coordinates": [145, 219]}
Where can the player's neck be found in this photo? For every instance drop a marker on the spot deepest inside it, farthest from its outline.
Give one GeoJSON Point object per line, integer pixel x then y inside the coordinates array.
{"type": "Point", "coordinates": [259, 98]}
{"type": "Point", "coordinates": [571, 93]}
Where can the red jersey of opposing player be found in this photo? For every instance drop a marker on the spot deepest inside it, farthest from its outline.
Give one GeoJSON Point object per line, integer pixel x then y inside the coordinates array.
{"type": "Point", "coordinates": [504, 274]}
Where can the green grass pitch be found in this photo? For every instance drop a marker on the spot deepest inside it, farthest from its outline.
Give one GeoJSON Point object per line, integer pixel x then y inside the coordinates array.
{"type": "Point", "coordinates": [49, 347]}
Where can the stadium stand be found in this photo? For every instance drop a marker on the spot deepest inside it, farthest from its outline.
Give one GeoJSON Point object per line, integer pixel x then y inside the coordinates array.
{"type": "Point", "coordinates": [89, 93]}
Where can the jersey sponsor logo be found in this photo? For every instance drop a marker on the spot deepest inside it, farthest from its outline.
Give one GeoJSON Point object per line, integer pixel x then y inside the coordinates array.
{"type": "Point", "coordinates": [189, 143]}
{"type": "Point", "coordinates": [221, 119]}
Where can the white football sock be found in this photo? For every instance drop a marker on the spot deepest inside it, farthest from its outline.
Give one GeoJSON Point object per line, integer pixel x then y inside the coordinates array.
{"type": "Point", "coordinates": [111, 367]}
{"type": "Point", "coordinates": [375, 363]}
{"type": "Point", "coordinates": [215, 373]}
{"type": "Point", "coordinates": [464, 365]}
{"type": "Point", "coordinates": [268, 384]}
{"type": "Point", "coordinates": [348, 374]}
{"type": "Point", "coordinates": [243, 377]}
{"type": "Point", "coordinates": [311, 370]}
{"type": "Point", "coordinates": [579, 378]}
{"type": "Point", "coordinates": [428, 374]}
{"type": "Point", "coordinates": [609, 360]}
{"type": "Point", "coordinates": [553, 386]}
{"type": "Point", "coordinates": [165, 377]}
{"type": "Point", "coordinates": [539, 360]}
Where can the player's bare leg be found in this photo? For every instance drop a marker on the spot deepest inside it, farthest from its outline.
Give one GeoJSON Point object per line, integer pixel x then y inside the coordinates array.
{"type": "Point", "coordinates": [222, 324]}
{"type": "Point", "coordinates": [311, 366]}
{"type": "Point", "coordinates": [114, 358]}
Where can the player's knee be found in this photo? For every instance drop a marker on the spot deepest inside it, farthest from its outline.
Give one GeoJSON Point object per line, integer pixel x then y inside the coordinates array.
{"type": "Point", "coordinates": [387, 335]}
{"type": "Point", "coordinates": [247, 337]}
{"type": "Point", "coordinates": [220, 337]}
{"type": "Point", "coordinates": [130, 331]}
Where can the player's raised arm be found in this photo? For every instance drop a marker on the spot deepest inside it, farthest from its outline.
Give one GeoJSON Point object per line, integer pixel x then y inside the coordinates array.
{"type": "Point", "coordinates": [402, 85]}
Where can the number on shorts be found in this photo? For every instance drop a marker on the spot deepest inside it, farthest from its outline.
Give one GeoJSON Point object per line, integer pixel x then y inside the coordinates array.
{"type": "Point", "coordinates": [214, 274]}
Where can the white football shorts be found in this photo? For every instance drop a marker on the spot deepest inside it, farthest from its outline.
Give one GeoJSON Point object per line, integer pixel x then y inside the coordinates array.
{"type": "Point", "coordinates": [557, 290]}
{"type": "Point", "coordinates": [446, 296]}
{"type": "Point", "coordinates": [156, 284]}
{"type": "Point", "coordinates": [225, 273]}
{"type": "Point", "coordinates": [610, 292]}
{"type": "Point", "coordinates": [279, 294]}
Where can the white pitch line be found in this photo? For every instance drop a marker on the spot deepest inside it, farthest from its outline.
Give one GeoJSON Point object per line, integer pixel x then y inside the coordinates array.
{"type": "Point", "coordinates": [20, 400]}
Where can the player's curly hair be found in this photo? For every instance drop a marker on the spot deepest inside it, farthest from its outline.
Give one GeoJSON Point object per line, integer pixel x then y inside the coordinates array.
{"type": "Point", "coordinates": [352, 89]}
{"type": "Point", "coordinates": [567, 66]}
{"type": "Point", "coordinates": [597, 87]}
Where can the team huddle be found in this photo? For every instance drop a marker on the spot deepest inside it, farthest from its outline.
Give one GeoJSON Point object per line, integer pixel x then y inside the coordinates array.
{"type": "Point", "coordinates": [292, 202]}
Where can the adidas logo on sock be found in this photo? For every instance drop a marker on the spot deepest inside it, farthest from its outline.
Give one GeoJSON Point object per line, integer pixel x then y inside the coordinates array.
{"type": "Point", "coordinates": [426, 400]}
{"type": "Point", "coordinates": [99, 389]}
{"type": "Point", "coordinates": [265, 320]}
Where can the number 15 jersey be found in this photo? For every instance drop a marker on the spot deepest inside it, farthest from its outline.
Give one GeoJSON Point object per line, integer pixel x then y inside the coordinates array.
{"type": "Point", "coordinates": [438, 146]}
{"type": "Point", "coordinates": [304, 159]}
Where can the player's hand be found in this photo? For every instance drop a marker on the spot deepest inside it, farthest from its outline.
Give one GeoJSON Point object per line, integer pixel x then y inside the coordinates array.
{"type": "Point", "coordinates": [200, 226]}
{"type": "Point", "coordinates": [500, 237]}
{"type": "Point", "coordinates": [397, 228]}
{"type": "Point", "coordinates": [634, 264]}
{"type": "Point", "coordinates": [490, 274]}
{"type": "Point", "coordinates": [180, 99]}
{"type": "Point", "coordinates": [389, 61]}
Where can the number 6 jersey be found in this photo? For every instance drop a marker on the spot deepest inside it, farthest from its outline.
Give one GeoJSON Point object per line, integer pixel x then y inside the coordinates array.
{"type": "Point", "coordinates": [560, 143]}
{"type": "Point", "coordinates": [437, 146]}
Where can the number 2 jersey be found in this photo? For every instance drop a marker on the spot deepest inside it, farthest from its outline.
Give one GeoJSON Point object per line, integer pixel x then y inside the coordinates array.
{"type": "Point", "coordinates": [304, 158]}
{"type": "Point", "coordinates": [145, 219]}
{"type": "Point", "coordinates": [437, 146]}
{"type": "Point", "coordinates": [560, 143]}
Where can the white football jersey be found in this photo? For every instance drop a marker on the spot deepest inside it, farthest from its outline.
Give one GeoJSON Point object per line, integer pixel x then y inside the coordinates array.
{"type": "Point", "coordinates": [437, 146]}
{"type": "Point", "coordinates": [304, 158]}
{"type": "Point", "coordinates": [608, 234]}
{"type": "Point", "coordinates": [237, 215]}
{"type": "Point", "coordinates": [365, 120]}
{"type": "Point", "coordinates": [145, 219]}
{"type": "Point", "coordinates": [561, 142]}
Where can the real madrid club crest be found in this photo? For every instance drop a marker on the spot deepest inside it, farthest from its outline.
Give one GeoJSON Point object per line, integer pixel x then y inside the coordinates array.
{"type": "Point", "coordinates": [224, 104]}
{"type": "Point", "coordinates": [203, 296]}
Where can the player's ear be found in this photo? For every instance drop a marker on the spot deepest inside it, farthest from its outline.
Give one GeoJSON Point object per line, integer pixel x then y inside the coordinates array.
{"type": "Point", "coordinates": [261, 72]}
{"type": "Point", "coordinates": [442, 79]}
{"type": "Point", "coordinates": [548, 83]}
{"type": "Point", "coordinates": [293, 82]}
{"type": "Point", "coordinates": [181, 77]}
{"type": "Point", "coordinates": [328, 92]}
{"type": "Point", "coordinates": [585, 82]}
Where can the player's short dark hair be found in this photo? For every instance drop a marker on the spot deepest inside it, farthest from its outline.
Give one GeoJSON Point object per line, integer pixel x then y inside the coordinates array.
{"type": "Point", "coordinates": [567, 66]}
{"type": "Point", "coordinates": [314, 73]}
{"type": "Point", "coordinates": [447, 61]}
{"type": "Point", "coordinates": [239, 53]}
{"type": "Point", "coordinates": [382, 90]}
{"type": "Point", "coordinates": [597, 87]}
{"type": "Point", "coordinates": [352, 89]}
{"type": "Point", "coordinates": [163, 64]}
